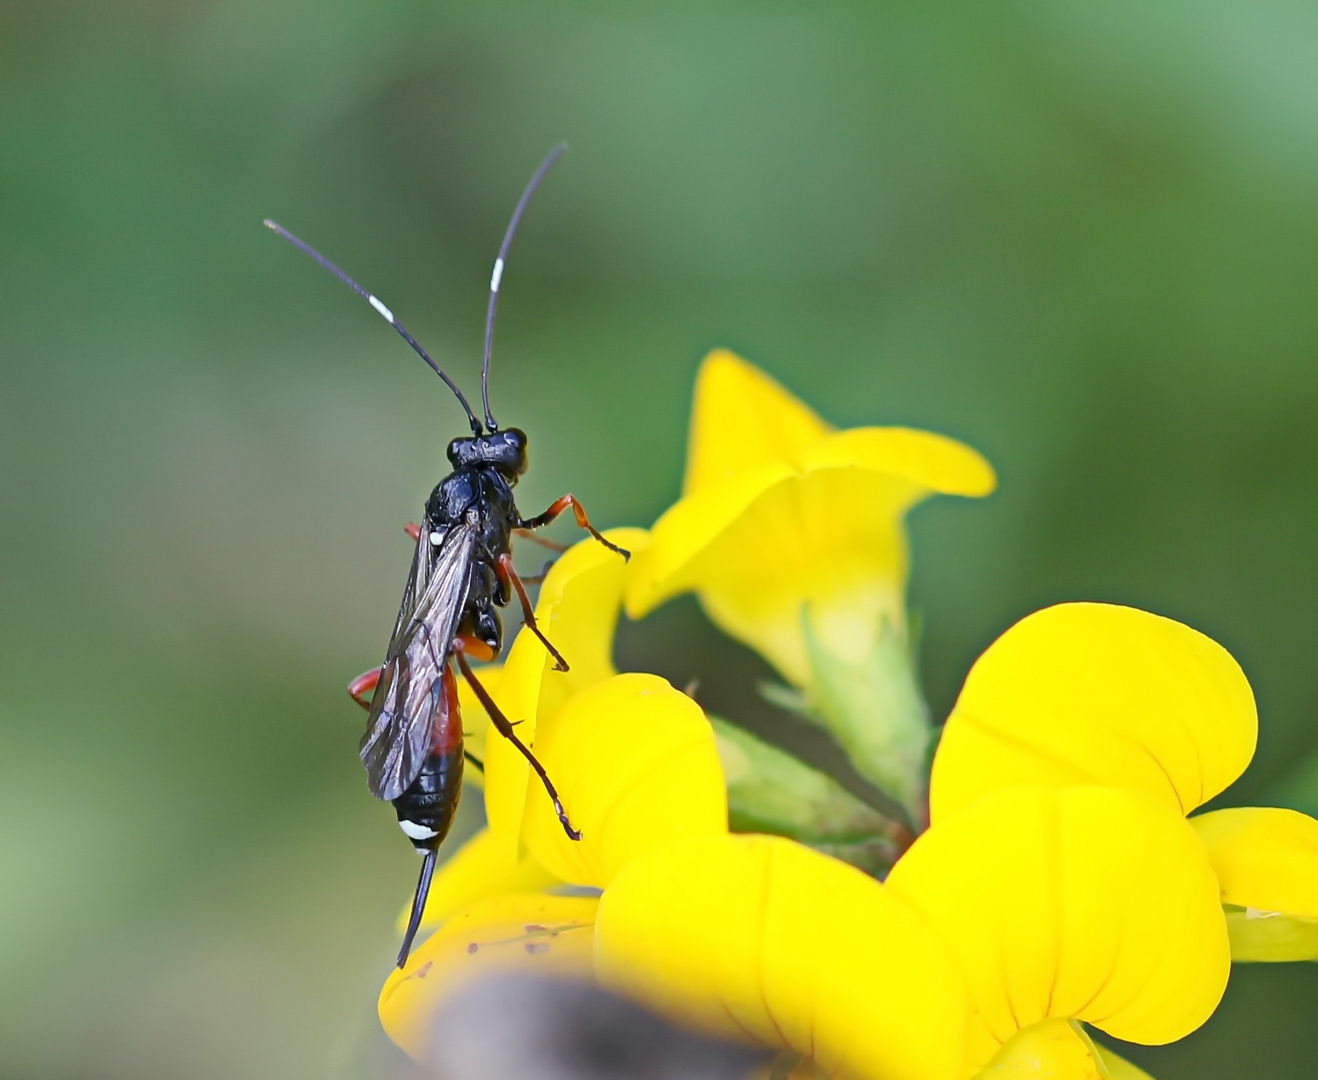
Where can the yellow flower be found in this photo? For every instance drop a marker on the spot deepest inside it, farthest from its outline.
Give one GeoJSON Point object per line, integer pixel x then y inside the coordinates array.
{"type": "Point", "coordinates": [1059, 885]}
{"type": "Point", "coordinates": [792, 536]}
{"type": "Point", "coordinates": [1101, 694]}
{"type": "Point", "coordinates": [1086, 903]}
{"type": "Point", "coordinates": [784, 521]}
{"type": "Point", "coordinates": [759, 936]}
{"type": "Point", "coordinates": [1032, 908]}
{"type": "Point", "coordinates": [531, 932]}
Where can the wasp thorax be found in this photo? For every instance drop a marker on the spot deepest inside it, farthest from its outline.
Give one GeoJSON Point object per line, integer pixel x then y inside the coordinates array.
{"type": "Point", "coordinates": [504, 450]}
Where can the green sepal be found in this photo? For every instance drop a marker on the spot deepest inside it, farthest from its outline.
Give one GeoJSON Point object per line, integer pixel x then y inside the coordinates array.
{"type": "Point", "coordinates": [874, 708]}
{"type": "Point", "coordinates": [1269, 936]}
{"type": "Point", "coordinates": [770, 791]}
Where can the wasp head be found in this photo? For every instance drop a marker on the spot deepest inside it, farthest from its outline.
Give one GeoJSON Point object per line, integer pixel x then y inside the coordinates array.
{"type": "Point", "coordinates": [503, 450]}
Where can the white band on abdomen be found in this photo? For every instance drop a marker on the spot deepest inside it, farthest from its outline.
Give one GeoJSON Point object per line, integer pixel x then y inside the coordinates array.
{"type": "Point", "coordinates": [417, 832]}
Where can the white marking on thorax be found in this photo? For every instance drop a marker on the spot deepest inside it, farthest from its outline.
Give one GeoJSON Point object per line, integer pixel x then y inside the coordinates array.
{"type": "Point", "coordinates": [417, 832]}
{"type": "Point", "coordinates": [497, 276]}
{"type": "Point", "coordinates": [375, 303]}
{"type": "Point", "coordinates": [436, 538]}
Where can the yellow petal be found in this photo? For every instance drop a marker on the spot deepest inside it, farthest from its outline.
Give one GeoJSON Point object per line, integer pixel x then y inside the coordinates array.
{"type": "Point", "coordinates": [927, 462]}
{"type": "Point", "coordinates": [1266, 860]}
{"type": "Point", "coordinates": [577, 610]}
{"type": "Point", "coordinates": [740, 419]}
{"type": "Point", "coordinates": [1087, 903]}
{"type": "Point", "coordinates": [1264, 857]}
{"type": "Point", "coordinates": [535, 933]}
{"type": "Point", "coordinates": [1098, 694]}
{"type": "Point", "coordinates": [759, 936]}
{"type": "Point", "coordinates": [688, 527]}
{"type": "Point", "coordinates": [1057, 1050]}
{"type": "Point", "coordinates": [636, 766]}
{"type": "Point", "coordinates": [478, 869]}
{"type": "Point", "coordinates": [825, 539]}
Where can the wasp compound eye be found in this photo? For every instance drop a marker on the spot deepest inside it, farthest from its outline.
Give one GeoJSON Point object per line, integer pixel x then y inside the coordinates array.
{"type": "Point", "coordinates": [512, 451]}
{"type": "Point", "coordinates": [460, 452]}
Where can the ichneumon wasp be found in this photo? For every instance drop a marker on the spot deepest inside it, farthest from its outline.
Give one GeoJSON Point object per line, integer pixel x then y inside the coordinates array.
{"type": "Point", "coordinates": [462, 571]}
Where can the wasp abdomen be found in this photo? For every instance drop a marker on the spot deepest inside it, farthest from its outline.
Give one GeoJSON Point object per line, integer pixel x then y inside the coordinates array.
{"type": "Point", "coordinates": [425, 810]}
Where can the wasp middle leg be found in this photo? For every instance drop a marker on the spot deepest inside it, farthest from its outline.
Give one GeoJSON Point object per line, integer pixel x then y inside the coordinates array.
{"type": "Point", "coordinates": [578, 512]}
{"type": "Point", "coordinates": [505, 728]}
{"type": "Point", "coordinates": [538, 578]}
{"type": "Point", "coordinates": [508, 576]}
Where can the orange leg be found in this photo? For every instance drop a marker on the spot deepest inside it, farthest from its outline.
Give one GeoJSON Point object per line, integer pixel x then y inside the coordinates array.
{"type": "Point", "coordinates": [579, 512]}
{"type": "Point", "coordinates": [363, 687]}
{"type": "Point", "coordinates": [507, 575]}
{"type": "Point", "coordinates": [473, 647]}
{"type": "Point", "coordinates": [505, 728]}
{"type": "Point", "coordinates": [413, 530]}
{"type": "Point", "coordinates": [527, 534]}
{"type": "Point", "coordinates": [538, 579]}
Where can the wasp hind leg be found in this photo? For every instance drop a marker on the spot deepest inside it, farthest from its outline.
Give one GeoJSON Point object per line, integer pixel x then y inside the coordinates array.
{"type": "Point", "coordinates": [578, 512]}
{"type": "Point", "coordinates": [505, 728]}
{"type": "Point", "coordinates": [363, 687]}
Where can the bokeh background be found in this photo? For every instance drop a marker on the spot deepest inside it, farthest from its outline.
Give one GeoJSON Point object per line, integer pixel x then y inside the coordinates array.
{"type": "Point", "coordinates": [1082, 237]}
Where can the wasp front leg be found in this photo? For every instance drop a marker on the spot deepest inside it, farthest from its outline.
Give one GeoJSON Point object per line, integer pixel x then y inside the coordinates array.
{"type": "Point", "coordinates": [579, 512]}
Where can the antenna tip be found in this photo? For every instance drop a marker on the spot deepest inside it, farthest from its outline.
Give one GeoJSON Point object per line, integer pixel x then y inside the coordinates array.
{"type": "Point", "coordinates": [270, 224]}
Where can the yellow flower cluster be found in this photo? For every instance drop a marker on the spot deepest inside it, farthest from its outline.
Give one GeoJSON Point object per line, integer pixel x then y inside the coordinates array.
{"type": "Point", "coordinates": [1059, 882]}
{"type": "Point", "coordinates": [792, 536]}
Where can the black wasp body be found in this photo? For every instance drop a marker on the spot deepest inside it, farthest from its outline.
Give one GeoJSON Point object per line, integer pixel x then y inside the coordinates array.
{"type": "Point", "coordinates": [485, 469]}
{"type": "Point", "coordinates": [461, 574]}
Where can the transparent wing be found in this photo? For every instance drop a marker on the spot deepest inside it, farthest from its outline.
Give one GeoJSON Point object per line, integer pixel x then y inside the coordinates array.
{"type": "Point", "coordinates": [427, 556]}
{"type": "Point", "coordinates": [411, 692]}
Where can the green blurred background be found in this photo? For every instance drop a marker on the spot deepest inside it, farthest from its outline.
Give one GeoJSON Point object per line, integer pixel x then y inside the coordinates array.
{"type": "Point", "coordinates": [1082, 237]}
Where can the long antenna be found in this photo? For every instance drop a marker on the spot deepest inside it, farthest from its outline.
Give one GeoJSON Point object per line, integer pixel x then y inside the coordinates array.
{"type": "Point", "coordinates": [497, 275]}
{"type": "Point", "coordinates": [388, 315]}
